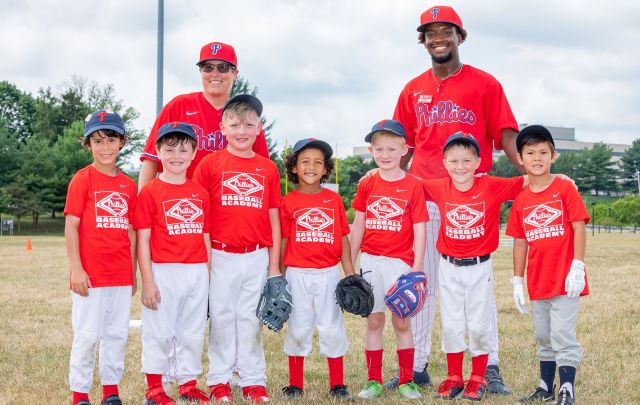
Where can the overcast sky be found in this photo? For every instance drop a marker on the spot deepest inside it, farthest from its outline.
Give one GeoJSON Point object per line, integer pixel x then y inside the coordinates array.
{"type": "Point", "coordinates": [329, 69]}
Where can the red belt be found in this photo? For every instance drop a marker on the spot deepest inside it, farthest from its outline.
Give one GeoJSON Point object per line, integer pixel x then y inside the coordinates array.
{"type": "Point", "coordinates": [236, 249]}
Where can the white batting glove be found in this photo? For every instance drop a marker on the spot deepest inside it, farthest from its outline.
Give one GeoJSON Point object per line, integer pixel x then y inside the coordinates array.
{"type": "Point", "coordinates": [518, 294]}
{"type": "Point", "coordinates": [574, 283]}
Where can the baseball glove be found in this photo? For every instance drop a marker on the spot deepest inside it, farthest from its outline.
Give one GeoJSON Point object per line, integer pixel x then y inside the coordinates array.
{"type": "Point", "coordinates": [408, 295]}
{"type": "Point", "coordinates": [354, 294]}
{"type": "Point", "coordinates": [275, 303]}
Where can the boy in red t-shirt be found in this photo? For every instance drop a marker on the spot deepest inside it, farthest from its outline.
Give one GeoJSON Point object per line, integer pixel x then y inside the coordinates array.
{"type": "Point", "coordinates": [548, 221]}
{"type": "Point", "coordinates": [172, 221]}
{"type": "Point", "coordinates": [101, 250]}
{"type": "Point", "coordinates": [389, 229]}
{"type": "Point", "coordinates": [314, 240]}
{"type": "Point", "coordinates": [469, 233]}
{"type": "Point", "coordinates": [245, 241]}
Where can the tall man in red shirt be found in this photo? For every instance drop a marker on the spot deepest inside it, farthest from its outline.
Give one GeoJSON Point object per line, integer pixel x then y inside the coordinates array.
{"type": "Point", "coordinates": [450, 97]}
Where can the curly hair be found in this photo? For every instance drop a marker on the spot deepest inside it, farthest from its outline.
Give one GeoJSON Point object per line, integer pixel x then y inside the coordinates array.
{"type": "Point", "coordinates": [291, 160]}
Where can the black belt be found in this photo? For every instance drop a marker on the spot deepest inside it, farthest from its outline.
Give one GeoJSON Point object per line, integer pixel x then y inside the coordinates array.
{"type": "Point", "coordinates": [467, 261]}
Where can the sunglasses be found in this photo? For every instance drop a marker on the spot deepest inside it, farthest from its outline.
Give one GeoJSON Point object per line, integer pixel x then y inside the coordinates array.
{"type": "Point", "coordinates": [222, 67]}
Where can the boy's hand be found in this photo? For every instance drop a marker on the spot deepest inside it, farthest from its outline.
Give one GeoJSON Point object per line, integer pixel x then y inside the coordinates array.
{"type": "Point", "coordinates": [80, 282]}
{"type": "Point", "coordinates": [150, 295]}
{"type": "Point", "coordinates": [368, 174]}
{"type": "Point", "coordinates": [574, 283]}
{"type": "Point", "coordinates": [518, 294]}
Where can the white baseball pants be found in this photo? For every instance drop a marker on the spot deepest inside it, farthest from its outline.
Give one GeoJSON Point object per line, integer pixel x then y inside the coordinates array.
{"type": "Point", "coordinates": [382, 273]}
{"type": "Point", "coordinates": [235, 332]}
{"type": "Point", "coordinates": [102, 317]}
{"type": "Point", "coordinates": [465, 306]}
{"type": "Point", "coordinates": [314, 304]}
{"type": "Point", "coordinates": [182, 313]}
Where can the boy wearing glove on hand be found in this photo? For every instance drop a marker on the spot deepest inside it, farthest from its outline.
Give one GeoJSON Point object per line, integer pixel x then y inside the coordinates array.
{"type": "Point", "coordinates": [548, 221]}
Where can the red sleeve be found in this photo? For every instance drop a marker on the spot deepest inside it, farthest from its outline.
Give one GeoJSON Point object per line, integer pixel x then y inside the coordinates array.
{"type": "Point", "coordinates": [498, 113]}
{"type": "Point", "coordinates": [514, 225]}
{"type": "Point", "coordinates": [505, 189]}
{"type": "Point", "coordinates": [133, 203]}
{"type": "Point", "coordinates": [285, 219]}
{"type": "Point", "coordinates": [201, 174]}
{"type": "Point", "coordinates": [145, 209]}
{"type": "Point", "coordinates": [343, 218]}
{"type": "Point", "coordinates": [419, 206]}
{"type": "Point", "coordinates": [405, 114]}
{"type": "Point", "coordinates": [76, 196]}
{"type": "Point", "coordinates": [576, 209]}
{"type": "Point", "coordinates": [149, 151]}
{"type": "Point", "coordinates": [275, 194]}
{"type": "Point", "coordinates": [260, 145]}
{"type": "Point", "coordinates": [206, 203]}
{"type": "Point", "coordinates": [360, 200]}
{"type": "Point", "coordinates": [432, 189]}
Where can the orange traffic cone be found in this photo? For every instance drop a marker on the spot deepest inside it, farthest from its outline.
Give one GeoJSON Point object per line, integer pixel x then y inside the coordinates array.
{"type": "Point", "coordinates": [29, 247]}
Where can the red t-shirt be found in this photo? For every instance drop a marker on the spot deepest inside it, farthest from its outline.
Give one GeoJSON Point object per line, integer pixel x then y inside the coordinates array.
{"type": "Point", "coordinates": [196, 111]}
{"type": "Point", "coordinates": [544, 220]}
{"type": "Point", "coordinates": [178, 216]}
{"type": "Point", "coordinates": [105, 206]}
{"type": "Point", "coordinates": [314, 225]}
{"type": "Point", "coordinates": [470, 219]}
{"type": "Point", "coordinates": [471, 101]}
{"type": "Point", "coordinates": [391, 208]}
{"type": "Point", "coordinates": [242, 190]}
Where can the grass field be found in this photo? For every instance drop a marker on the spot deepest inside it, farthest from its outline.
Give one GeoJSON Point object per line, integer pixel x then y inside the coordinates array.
{"type": "Point", "coordinates": [35, 333]}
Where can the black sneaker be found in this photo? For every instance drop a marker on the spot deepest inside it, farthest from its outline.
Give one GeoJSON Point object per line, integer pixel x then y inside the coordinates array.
{"type": "Point", "coordinates": [495, 383]}
{"type": "Point", "coordinates": [111, 400]}
{"type": "Point", "coordinates": [292, 392]}
{"type": "Point", "coordinates": [340, 392]}
{"type": "Point", "coordinates": [564, 397]}
{"type": "Point", "coordinates": [83, 402]}
{"type": "Point", "coordinates": [421, 378]}
{"type": "Point", "coordinates": [539, 394]}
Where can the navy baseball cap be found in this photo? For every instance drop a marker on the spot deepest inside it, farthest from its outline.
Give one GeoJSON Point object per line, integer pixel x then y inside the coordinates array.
{"type": "Point", "coordinates": [393, 126]}
{"type": "Point", "coordinates": [245, 98]}
{"type": "Point", "coordinates": [176, 127]}
{"type": "Point", "coordinates": [103, 119]}
{"type": "Point", "coordinates": [462, 137]}
{"type": "Point", "coordinates": [537, 131]}
{"type": "Point", "coordinates": [313, 143]}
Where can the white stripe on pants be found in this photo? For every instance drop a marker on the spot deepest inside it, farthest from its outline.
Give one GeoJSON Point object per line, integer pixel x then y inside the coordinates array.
{"type": "Point", "coordinates": [102, 317]}
{"type": "Point", "coordinates": [235, 332]}
{"type": "Point", "coordinates": [465, 306]}
{"type": "Point", "coordinates": [554, 325]}
{"type": "Point", "coordinates": [422, 322]}
{"type": "Point", "coordinates": [182, 312]}
{"type": "Point", "coordinates": [314, 304]}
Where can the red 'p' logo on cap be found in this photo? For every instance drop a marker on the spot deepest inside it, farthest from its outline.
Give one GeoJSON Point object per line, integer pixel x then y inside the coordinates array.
{"type": "Point", "coordinates": [175, 124]}
{"type": "Point", "coordinates": [102, 115]}
{"type": "Point", "coordinates": [381, 123]}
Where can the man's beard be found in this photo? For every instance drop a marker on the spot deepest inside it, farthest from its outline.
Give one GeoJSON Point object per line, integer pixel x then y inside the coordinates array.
{"type": "Point", "coordinates": [442, 59]}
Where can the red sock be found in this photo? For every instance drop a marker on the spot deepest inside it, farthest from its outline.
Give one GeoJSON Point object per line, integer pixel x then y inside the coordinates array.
{"type": "Point", "coordinates": [479, 364]}
{"type": "Point", "coordinates": [296, 371]}
{"type": "Point", "coordinates": [454, 363]}
{"type": "Point", "coordinates": [374, 364]}
{"type": "Point", "coordinates": [336, 371]}
{"type": "Point", "coordinates": [80, 396]}
{"type": "Point", "coordinates": [405, 365]}
{"type": "Point", "coordinates": [154, 380]}
{"type": "Point", "coordinates": [108, 390]}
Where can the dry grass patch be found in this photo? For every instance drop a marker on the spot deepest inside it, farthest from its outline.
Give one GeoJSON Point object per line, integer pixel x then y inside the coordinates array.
{"type": "Point", "coordinates": [35, 332]}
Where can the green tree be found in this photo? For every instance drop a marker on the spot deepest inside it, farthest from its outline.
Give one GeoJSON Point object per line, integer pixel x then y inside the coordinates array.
{"type": "Point", "coordinates": [16, 111]}
{"type": "Point", "coordinates": [570, 165]}
{"type": "Point", "coordinates": [630, 165]}
{"type": "Point", "coordinates": [351, 170]}
{"type": "Point", "coordinates": [627, 210]}
{"type": "Point", "coordinates": [597, 172]}
{"type": "Point", "coordinates": [504, 168]}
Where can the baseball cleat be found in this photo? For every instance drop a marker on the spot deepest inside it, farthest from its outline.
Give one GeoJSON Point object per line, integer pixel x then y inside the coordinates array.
{"type": "Point", "coordinates": [111, 400]}
{"type": "Point", "coordinates": [341, 393]}
{"type": "Point", "coordinates": [372, 389]}
{"type": "Point", "coordinates": [220, 393]}
{"type": "Point", "coordinates": [257, 394]}
{"type": "Point", "coordinates": [564, 397]}
{"type": "Point", "coordinates": [190, 393]}
{"type": "Point", "coordinates": [292, 392]}
{"type": "Point", "coordinates": [495, 383]}
{"type": "Point", "coordinates": [157, 396]}
{"type": "Point", "coordinates": [450, 388]}
{"type": "Point", "coordinates": [475, 389]}
{"type": "Point", "coordinates": [421, 378]}
{"type": "Point", "coordinates": [83, 402]}
{"type": "Point", "coordinates": [538, 395]}
{"type": "Point", "coordinates": [409, 391]}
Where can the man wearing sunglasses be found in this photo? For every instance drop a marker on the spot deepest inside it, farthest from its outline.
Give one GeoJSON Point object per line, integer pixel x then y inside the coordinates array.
{"type": "Point", "coordinates": [218, 66]}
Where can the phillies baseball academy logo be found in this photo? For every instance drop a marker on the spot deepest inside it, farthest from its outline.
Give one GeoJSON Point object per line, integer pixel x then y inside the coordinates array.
{"type": "Point", "coordinates": [543, 221]}
{"type": "Point", "coordinates": [183, 216]}
{"type": "Point", "coordinates": [385, 213]}
{"type": "Point", "coordinates": [215, 48]}
{"type": "Point", "coordinates": [111, 210]}
{"type": "Point", "coordinates": [442, 112]}
{"type": "Point", "coordinates": [465, 221]}
{"type": "Point", "coordinates": [242, 189]}
{"type": "Point", "coordinates": [315, 225]}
